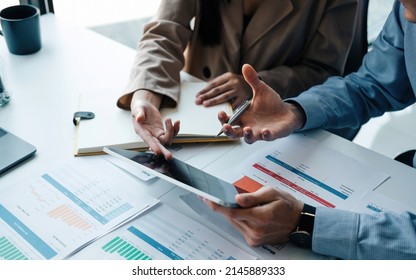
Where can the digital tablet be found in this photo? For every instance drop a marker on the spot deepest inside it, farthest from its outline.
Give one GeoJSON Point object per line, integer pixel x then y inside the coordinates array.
{"type": "Point", "coordinates": [181, 174]}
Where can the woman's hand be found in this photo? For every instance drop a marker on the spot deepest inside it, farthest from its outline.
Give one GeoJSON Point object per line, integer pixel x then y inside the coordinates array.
{"type": "Point", "coordinates": [148, 124]}
{"type": "Point", "coordinates": [228, 87]}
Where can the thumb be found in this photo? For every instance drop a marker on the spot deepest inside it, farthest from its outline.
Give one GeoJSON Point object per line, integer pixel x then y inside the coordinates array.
{"type": "Point", "coordinates": [139, 116]}
{"type": "Point", "coordinates": [252, 78]}
{"type": "Point", "coordinates": [262, 196]}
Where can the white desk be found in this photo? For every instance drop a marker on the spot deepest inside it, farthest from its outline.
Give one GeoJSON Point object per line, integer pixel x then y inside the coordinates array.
{"type": "Point", "coordinates": [45, 89]}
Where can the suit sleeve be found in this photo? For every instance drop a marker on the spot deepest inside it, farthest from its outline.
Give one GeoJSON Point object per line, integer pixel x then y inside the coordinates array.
{"type": "Point", "coordinates": [349, 235]}
{"type": "Point", "coordinates": [380, 85]}
{"type": "Point", "coordinates": [160, 57]}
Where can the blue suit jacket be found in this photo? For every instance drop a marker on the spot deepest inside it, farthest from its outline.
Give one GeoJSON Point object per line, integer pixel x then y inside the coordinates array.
{"type": "Point", "coordinates": [385, 82]}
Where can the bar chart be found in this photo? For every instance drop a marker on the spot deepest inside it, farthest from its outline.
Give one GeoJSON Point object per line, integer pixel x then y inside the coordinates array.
{"type": "Point", "coordinates": [124, 249]}
{"type": "Point", "coordinates": [163, 234]}
{"type": "Point", "coordinates": [8, 251]}
{"type": "Point", "coordinates": [70, 217]}
{"type": "Point", "coordinates": [305, 168]}
{"type": "Point", "coordinates": [63, 209]}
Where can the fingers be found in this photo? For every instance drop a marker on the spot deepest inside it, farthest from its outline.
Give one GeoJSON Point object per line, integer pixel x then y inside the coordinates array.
{"type": "Point", "coordinates": [158, 148]}
{"type": "Point", "coordinates": [176, 128]}
{"type": "Point", "coordinates": [166, 153]}
{"type": "Point", "coordinates": [166, 138]}
{"type": "Point", "coordinates": [156, 139]}
{"type": "Point", "coordinates": [148, 124]}
{"type": "Point", "coordinates": [233, 132]}
{"type": "Point", "coordinates": [237, 215]}
{"type": "Point", "coordinates": [228, 87]}
{"type": "Point", "coordinates": [260, 197]}
{"type": "Point", "coordinates": [231, 215]}
{"type": "Point", "coordinates": [154, 144]}
{"type": "Point", "coordinates": [251, 77]}
{"type": "Point", "coordinates": [221, 97]}
{"type": "Point", "coordinates": [214, 97]}
{"type": "Point", "coordinates": [226, 211]}
{"type": "Point", "coordinates": [212, 89]}
{"type": "Point", "coordinates": [223, 117]}
{"type": "Point", "coordinates": [250, 137]}
{"type": "Point", "coordinates": [248, 202]}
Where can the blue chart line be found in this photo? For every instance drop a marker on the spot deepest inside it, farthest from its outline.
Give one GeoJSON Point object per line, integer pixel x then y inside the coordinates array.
{"type": "Point", "coordinates": [154, 243]}
{"type": "Point", "coordinates": [373, 208]}
{"type": "Point", "coordinates": [27, 234]}
{"type": "Point", "coordinates": [102, 219]}
{"type": "Point", "coordinates": [307, 177]}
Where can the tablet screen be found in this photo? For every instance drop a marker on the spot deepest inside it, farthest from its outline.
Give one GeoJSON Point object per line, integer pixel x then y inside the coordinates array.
{"type": "Point", "coordinates": [183, 175]}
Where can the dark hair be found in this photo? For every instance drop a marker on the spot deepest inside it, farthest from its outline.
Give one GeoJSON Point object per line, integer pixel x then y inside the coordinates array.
{"type": "Point", "coordinates": [210, 29]}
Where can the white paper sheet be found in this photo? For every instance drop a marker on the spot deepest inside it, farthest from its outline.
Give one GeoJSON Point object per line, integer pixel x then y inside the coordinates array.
{"type": "Point", "coordinates": [375, 203]}
{"type": "Point", "coordinates": [163, 234]}
{"type": "Point", "coordinates": [53, 215]}
{"type": "Point", "coordinates": [284, 251]}
{"type": "Point", "coordinates": [310, 171]}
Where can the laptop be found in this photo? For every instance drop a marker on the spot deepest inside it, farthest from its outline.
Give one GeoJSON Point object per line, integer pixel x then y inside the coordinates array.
{"type": "Point", "coordinates": [13, 150]}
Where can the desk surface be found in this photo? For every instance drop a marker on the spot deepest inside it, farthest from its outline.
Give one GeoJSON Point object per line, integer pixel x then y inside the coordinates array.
{"type": "Point", "coordinates": [45, 88]}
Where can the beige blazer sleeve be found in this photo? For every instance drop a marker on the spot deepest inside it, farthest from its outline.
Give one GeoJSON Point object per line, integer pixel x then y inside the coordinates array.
{"type": "Point", "coordinates": [160, 57]}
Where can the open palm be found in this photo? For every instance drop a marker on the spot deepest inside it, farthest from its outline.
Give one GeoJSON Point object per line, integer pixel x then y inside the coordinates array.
{"type": "Point", "coordinates": [267, 118]}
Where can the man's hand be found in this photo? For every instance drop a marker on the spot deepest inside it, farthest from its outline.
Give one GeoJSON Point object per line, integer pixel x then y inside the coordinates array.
{"type": "Point", "coordinates": [267, 118]}
{"type": "Point", "coordinates": [266, 216]}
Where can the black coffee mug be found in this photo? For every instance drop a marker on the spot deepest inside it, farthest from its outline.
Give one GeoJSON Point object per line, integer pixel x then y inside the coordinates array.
{"type": "Point", "coordinates": [21, 29]}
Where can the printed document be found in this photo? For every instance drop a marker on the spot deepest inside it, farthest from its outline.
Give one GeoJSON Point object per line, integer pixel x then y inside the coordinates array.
{"type": "Point", "coordinates": [58, 212]}
{"type": "Point", "coordinates": [163, 234]}
{"type": "Point", "coordinates": [310, 171]}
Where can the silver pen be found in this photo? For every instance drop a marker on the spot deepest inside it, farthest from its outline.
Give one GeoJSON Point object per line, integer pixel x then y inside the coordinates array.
{"type": "Point", "coordinates": [241, 109]}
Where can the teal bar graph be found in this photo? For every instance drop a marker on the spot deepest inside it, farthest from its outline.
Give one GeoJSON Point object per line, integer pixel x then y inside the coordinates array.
{"type": "Point", "coordinates": [123, 248]}
{"type": "Point", "coordinates": [9, 252]}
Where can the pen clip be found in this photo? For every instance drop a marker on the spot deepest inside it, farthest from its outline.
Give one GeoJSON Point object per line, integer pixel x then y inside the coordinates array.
{"type": "Point", "coordinates": [242, 106]}
{"type": "Point", "coordinates": [82, 115]}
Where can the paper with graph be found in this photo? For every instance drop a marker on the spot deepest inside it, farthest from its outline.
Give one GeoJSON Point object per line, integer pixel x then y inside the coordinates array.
{"type": "Point", "coordinates": [309, 170]}
{"type": "Point", "coordinates": [57, 213]}
{"type": "Point", "coordinates": [163, 234]}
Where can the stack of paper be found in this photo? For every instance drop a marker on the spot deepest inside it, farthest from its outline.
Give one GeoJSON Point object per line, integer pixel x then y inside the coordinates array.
{"type": "Point", "coordinates": [59, 212]}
